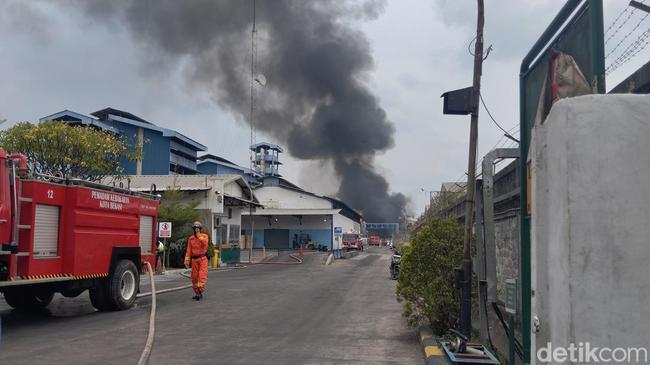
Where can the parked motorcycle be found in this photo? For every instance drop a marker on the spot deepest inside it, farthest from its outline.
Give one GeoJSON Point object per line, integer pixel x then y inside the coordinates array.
{"type": "Point", "coordinates": [395, 265]}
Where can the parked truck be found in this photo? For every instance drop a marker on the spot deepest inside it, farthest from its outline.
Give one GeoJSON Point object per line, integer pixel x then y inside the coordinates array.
{"type": "Point", "coordinates": [352, 240]}
{"type": "Point", "coordinates": [374, 241]}
{"type": "Point", "coordinates": [67, 236]}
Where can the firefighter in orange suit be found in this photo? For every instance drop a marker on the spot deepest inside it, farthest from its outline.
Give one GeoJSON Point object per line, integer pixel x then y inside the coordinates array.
{"type": "Point", "coordinates": [196, 257]}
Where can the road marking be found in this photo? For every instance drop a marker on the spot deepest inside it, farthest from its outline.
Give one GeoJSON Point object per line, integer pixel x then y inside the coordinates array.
{"type": "Point", "coordinates": [432, 351]}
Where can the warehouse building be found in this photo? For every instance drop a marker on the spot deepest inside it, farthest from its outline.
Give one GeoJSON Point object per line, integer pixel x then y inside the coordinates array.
{"type": "Point", "coordinates": [293, 216]}
{"type": "Point", "coordinates": [222, 200]}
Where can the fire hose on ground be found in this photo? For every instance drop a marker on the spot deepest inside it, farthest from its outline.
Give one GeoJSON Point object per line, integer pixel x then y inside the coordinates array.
{"type": "Point", "coordinates": [144, 357]}
{"type": "Point", "coordinates": [146, 352]}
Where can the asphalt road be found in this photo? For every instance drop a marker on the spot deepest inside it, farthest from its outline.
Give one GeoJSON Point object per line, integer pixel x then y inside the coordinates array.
{"type": "Point", "coordinates": [345, 313]}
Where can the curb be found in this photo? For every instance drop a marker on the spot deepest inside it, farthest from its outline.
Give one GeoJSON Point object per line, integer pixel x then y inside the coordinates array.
{"type": "Point", "coordinates": [433, 353]}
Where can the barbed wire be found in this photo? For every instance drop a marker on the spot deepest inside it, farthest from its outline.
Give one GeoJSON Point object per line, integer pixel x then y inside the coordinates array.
{"type": "Point", "coordinates": [625, 10]}
{"type": "Point", "coordinates": [630, 52]}
{"type": "Point", "coordinates": [627, 35]}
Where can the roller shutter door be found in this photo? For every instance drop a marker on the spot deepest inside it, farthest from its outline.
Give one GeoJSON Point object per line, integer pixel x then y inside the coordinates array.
{"type": "Point", "coordinates": [46, 231]}
{"type": "Point", "coordinates": [146, 234]}
{"type": "Point", "coordinates": [276, 238]}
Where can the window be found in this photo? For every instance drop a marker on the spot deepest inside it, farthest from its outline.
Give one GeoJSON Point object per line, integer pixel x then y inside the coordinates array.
{"type": "Point", "coordinates": [235, 231]}
{"type": "Point", "coordinates": [221, 235]}
{"type": "Point", "coordinates": [216, 220]}
{"type": "Point", "coordinates": [229, 213]}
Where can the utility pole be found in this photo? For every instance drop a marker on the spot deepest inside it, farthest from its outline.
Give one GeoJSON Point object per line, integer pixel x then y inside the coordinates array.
{"type": "Point", "coordinates": [252, 153]}
{"type": "Point", "coordinates": [466, 293]}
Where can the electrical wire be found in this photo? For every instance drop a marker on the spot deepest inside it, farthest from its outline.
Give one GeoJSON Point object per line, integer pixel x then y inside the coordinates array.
{"type": "Point", "coordinates": [506, 134]}
{"type": "Point", "coordinates": [469, 46]}
{"type": "Point", "coordinates": [518, 346]}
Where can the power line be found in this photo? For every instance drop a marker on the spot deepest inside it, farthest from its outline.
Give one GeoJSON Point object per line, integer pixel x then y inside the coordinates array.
{"type": "Point", "coordinates": [506, 134]}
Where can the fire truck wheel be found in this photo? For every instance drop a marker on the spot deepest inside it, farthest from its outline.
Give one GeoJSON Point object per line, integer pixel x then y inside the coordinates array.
{"type": "Point", "coordinates": [123, 285]}
{"type": "Point", "coordinates": [28, 300]}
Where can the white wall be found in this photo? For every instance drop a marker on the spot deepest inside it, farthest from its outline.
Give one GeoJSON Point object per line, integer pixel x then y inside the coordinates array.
{"type": "Point", "coordinates": [233, 189]}
{"type": "Point", "coordinates": [591, 222]}
{"type": "Point", "coordinates": [281, 198]}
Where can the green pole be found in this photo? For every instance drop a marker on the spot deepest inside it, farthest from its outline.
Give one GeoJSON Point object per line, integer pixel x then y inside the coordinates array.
{"type": "Point", "coordinates": [598, 44]}
{"type": "Point", "coordinates": [511, 340]}
{"type": "Point", "coordinates": [524, 227]}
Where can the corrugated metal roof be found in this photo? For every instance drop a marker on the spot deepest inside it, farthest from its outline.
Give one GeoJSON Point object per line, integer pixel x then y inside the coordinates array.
{"type": "Point", "coordinates": [184, 183]}
{"type": "Point", "coordinates": [295, 212]}
{"type": "Point", "coordinates": [181, 182]}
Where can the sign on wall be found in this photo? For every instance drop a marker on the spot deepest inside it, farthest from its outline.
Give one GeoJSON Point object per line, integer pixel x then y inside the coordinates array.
{"type": "Point", "coordinates": [164, 229]}
{"type": "Point", "coordinates": [338, 230]}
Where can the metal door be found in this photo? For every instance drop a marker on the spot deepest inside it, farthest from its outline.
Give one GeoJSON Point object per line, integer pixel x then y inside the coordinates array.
{"type": "Point", "coordinates": [146, 234]}
{"type": "Point", "coordinates": [46, 231]}
{"type": "Point", "coordinates": [276, 238]}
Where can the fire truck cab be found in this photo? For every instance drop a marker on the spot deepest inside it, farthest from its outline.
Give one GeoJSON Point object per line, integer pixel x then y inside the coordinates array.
{"type": "Point", "coordinates": [66, 236]}
{"type": "Point", "coordinates": [352, 240]}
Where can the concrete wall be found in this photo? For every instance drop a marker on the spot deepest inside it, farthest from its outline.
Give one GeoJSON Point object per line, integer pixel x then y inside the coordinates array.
{"type": "Point", "coordinates": [590, 222]}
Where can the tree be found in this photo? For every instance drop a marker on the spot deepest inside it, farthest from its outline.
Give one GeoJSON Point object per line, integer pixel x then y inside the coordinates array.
{"type": "Point", "coordinates": [426, 277]}
{"type": "Point", "coordinates": [175, 208]}
{"type": "Point", "coordinates": [73, 151]}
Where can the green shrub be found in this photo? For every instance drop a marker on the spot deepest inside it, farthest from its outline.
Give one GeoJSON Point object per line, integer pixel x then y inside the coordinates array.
{"type": "Point", "coordinates": [426, 280]}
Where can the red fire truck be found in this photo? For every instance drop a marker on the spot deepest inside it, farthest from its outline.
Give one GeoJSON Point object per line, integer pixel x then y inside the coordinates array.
{"type": "Point", "coordinates": [352, 240]}
{"type": "Point", "coordinates": [66, 236]}
{"type": "Point", "coordinates": [374, 241]}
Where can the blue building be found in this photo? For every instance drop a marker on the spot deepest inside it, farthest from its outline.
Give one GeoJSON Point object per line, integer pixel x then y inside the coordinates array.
{"type": "Point", "coordinates": [166, 152]}
{"type": "Point", "coordinates": [214, 165]}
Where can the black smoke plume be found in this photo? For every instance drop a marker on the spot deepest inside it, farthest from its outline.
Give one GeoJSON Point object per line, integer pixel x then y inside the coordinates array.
{"type": "Point", "coordinates": [315, 61]}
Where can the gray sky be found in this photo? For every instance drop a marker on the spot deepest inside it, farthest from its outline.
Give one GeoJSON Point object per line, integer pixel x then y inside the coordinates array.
{"type": "Point", "coordinates": [60, 60]}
